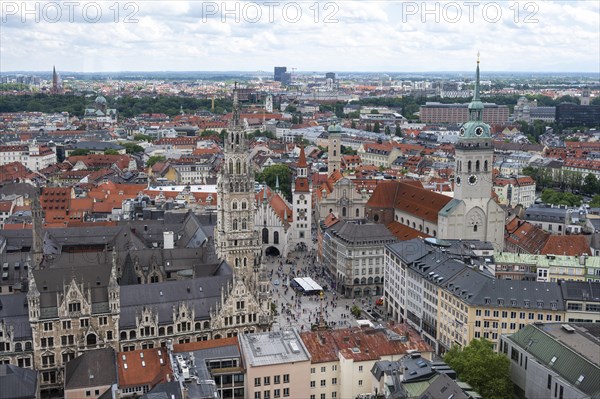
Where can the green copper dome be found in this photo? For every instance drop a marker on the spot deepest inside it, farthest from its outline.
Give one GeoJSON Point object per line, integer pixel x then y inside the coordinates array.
{"type": "Point", "coordinates": [475, 128]}
{"type": "Point", "coordinates": [335, 128]}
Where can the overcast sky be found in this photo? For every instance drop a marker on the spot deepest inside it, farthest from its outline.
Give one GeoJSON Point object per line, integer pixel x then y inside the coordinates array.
{"type": "Point", "coordinates": [368, 35]}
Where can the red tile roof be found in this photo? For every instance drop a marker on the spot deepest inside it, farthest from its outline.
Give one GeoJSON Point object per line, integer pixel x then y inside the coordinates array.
{"type": "Point", "coordinates": [13, 171]}
{"type": "Point", "coordinates": [211, 343]}
{"type": "Point", "coordinates": [277, 203]}
{"type": "Point", "coordinates": [372, 344]}
{"type": "Point", "coordinates": [572, 245]}
{"type": "Point", "coordinates": [146, 370]}
{"type": "Point", "coordinates": [409, 198]}
{"type": "Point", "coordinates": [404, 232]}
{"type": "Point", "coordinates": [525, 237]}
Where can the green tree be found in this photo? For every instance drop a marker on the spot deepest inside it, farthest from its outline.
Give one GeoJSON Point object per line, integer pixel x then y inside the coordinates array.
{"type": "Point", "coordinates": [270, 175]}
{"type": "Point", "coordinates": [142, 137]}
{"type": "Point", "coordinates": [294, 119]}
{"type": "Point", "coordinates": [79, 152]}
{"type": "Point", "coordinates": [377, 127]}
{"type": "Point", "coordinates": [486, 371]}
{"type": "Point", "coordinates": [374, 111]}
{"type": "Point", "coordinates": [132, 148]}
{"type": "Point", "coordinates": [595, 202]}
{"type": "Point", "coordinates": [590, 184]}
{"type": "Point", "coordinates": [356, 311]}
{"type": "Point", "coordinates": [398, 131]}
{"type": "Point", "coordinates": [111, 152]}
{"type": "Point", "coordinates": [155, 159]}
{"type": "Point", "coordinates": [347, 150]}
{"type": "Point", "coordinates": [550, 196]}
{"type": "Point", "coordinates": [353, 124]}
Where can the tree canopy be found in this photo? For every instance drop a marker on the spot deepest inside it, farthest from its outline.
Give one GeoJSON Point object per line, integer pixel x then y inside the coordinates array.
{"type": "Point", "coordinates": [486, 371]}
{"type": "Point", "coordinates": [270, 174]}
{"type": "Point", "coordinates": [550, 196]}
{"type": "Point", "coordinates": [155, 159]}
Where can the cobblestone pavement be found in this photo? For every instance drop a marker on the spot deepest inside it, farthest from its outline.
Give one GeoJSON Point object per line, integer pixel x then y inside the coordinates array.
{"type": "Point", "coordinates": [301, 311]}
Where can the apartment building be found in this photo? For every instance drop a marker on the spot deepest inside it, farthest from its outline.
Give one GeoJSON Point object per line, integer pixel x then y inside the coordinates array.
{"type": "Point", "coordinates": [277, 365]}
{"type": "Point", "coordinates": [513, 191]}
{"type": "Point", "coordinates": [450, 300]}
{"type": "Point", "coordinates": [34, 156]}
{"type": "Point", "coordinates": [434, 112]}
{"type": "Point", "coordinates": [353, 253]}
{"type": "Point", "coordinates": [341, 359]}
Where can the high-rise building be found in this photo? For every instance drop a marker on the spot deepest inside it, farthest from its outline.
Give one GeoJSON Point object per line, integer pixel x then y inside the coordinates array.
{"type": "Point", "coordinates": [278, 73]}
{"type": "Point", "coordinates": [568, 114]}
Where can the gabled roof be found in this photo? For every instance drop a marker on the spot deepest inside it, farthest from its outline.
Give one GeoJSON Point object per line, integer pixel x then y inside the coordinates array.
{"type": "Point", "coordinates": [91, 369]}
{"type": "Point", "coordinates": [408, 198]}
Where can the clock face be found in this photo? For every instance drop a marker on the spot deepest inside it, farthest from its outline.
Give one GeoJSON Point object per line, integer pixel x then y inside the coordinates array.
{"type": "Point", "coordinates": [472, 180]}
{"type": "Point", "coordinates": [458, 180]}
{"type": "Point", "coordinates": [479, 131]}
{"type": "Point", "coordinates": [301, 196]}
{"type": "Point", "coordinates": [462, 131]}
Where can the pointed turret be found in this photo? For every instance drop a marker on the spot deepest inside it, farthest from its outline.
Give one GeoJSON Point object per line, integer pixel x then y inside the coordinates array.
{"type": "Point", "coordinates": [38, 242]}
{"type": "Point", "coordinates": [33, 297]}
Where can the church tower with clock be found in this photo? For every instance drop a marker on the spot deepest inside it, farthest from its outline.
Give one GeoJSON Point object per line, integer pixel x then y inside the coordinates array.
{"type": "Point", "coordinates": [473, 214]}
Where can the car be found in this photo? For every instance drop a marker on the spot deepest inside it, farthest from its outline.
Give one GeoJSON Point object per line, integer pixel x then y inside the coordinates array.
{"type": "Point", "coordinates": [276, 282]}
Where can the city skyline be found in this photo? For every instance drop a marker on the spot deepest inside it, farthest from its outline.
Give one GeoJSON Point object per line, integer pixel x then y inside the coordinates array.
{"type": "Point", "coordinates": [345, 36]}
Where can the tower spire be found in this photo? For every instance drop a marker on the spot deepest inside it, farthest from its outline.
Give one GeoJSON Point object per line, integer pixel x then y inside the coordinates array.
{"type": "Point", "coordinates": [235, 118]}
{"type": "Point", "coordinates": [476, 93]}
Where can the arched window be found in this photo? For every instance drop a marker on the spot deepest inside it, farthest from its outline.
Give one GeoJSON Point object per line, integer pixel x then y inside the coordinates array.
{"type": "Point", "coordinates": [18, 347]}
{"type": "Point", "coordinates": [244, 224]}
{"type": "Point", "coordinates": [469, 166]}
{"type": "Point", "coordinates": [123, 335]}
{"type": "Point", "coordinates": [375, 218]}
{"type": "Point", "coordinates": [475, 228]}
{"type": "Point", "coordinates": [235, 224]}
{"type": "Point", "coordinates": [244, 204]}
{"type": "Point", "coordinates": [344, 211]}
{"type": "Point", "coordinates": [245, 262]}
{"type": "Point", "coordinates": [197, 326]}
{"type": "Point", "coordinates": [237, 262]}
{"type": "Point", "coordinates": [230, 166]}
{"type": "Point", "coordinates": [237, 138]}
{"type": "Point", "coordinates": [234, 205]}
{"type": "Point", "coordinates": [170, 330]}
{"type": "Point", "coordinates": [238, 167]}
{"type": "Point", "coordinates": [427, 230]}
{"type": "Point", "coordinates": [276, 237]}
{"type": "Point", "coordinates": [131, 334]}
{"type": "Point", "coordinates": [28, 346]}
{"type": "Point", "coordinates": [206, 325]}
{"type": "Point", "coordinates": [161, 331]}
{"type": "Point", "coordinates": [357, 212]}
{"type": "Point", "coordinates": [265, 235]}
{"type": "Point", "coordinates": [91, 339]}
{"type": "Point", "coordinates": [485, 166]}
{"type": "Point", "coordinates": [245, 168]}
{"type": "Point", "coordinates": [477, 166]}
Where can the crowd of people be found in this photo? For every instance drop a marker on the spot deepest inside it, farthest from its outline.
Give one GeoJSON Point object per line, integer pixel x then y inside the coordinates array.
{"type": "Point", "coordinates": [304, 311]}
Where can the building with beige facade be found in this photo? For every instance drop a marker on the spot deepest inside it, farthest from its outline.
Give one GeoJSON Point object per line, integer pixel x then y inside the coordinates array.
{"type": "Point", "coordinates": [277, 365]}
{"type": "Point", "coordinates": [341, 359]}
